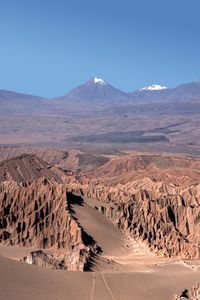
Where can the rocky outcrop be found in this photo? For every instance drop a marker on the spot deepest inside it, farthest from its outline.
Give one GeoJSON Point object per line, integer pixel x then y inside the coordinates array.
{"type": "Point", "coordinates": [166, 226]}
{"type": "Point", "coordinates": [192, 294]}
{"type": "Point", "coordinates": [166, 217]}
{"type": "Point", "coordinates": [38, 215]}
{"type": "Point", "coordinates": [40, 258]}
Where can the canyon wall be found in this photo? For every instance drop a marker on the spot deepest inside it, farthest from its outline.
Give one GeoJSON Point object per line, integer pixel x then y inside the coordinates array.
{"type": "Point", "coordinates": [38, 215]}
{"type": "Point", "coordinates": [166, 217]}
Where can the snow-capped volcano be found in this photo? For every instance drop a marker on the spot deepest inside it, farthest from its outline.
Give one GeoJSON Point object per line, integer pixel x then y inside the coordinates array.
{"type": "Point", "coordinates": [96, 90]}
{"type": "Point", "coordinates": [154, 87]}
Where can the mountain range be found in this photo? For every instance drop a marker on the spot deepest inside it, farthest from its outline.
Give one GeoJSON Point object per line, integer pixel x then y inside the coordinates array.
{"type": "Point", "coordinates": [96, 114]}
{"type": "Point", "coordinates": [187, 91]}
{"type": "Point", "coordinates": [98, 90]}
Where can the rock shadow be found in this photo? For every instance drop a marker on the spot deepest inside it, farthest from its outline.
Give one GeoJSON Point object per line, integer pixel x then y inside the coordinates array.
{"type": "Point", "coordinates": [88, 240]}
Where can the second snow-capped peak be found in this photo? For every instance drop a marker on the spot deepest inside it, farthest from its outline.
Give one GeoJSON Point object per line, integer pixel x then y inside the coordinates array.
{"type": "Point", "coordinates": [154, 87]}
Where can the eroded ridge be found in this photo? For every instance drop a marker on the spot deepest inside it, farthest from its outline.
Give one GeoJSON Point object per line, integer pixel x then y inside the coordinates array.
{"type": "Point", "coordinates": [38, 215]}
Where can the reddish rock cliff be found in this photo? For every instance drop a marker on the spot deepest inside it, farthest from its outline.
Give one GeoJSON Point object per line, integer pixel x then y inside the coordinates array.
{"type": "Point", "coordinates": [38, 215]}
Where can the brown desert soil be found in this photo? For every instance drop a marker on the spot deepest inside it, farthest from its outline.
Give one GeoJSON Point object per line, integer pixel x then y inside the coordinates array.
{"type": "Point", "coordinates": [121, 273]}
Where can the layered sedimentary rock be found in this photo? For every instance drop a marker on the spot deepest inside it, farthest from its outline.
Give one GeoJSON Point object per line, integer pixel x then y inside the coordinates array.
{"type": "Point", "coordinates": [38, 215]}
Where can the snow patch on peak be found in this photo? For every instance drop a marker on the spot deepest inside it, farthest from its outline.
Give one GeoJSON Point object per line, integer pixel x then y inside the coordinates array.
{"type": "Point", "coordinates": [98, 80]}
{"type": "Point", "coordinates": [154, 87]}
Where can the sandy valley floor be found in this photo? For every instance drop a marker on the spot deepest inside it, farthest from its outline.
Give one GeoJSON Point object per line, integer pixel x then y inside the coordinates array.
{"type": "Point", "coordinates": [117, 274]}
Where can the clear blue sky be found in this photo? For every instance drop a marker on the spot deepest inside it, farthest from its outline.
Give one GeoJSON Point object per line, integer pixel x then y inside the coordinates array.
{"type": "Point", "coordinates": [48, 47]}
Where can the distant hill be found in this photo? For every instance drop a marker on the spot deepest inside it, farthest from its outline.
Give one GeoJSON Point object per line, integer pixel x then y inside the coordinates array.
{"type": "Point", "coordinates": [14, 96]}
{"type": "Point", "coordinates": [13, 102]}
{"type": "Point", "coordinates": [24, 168]}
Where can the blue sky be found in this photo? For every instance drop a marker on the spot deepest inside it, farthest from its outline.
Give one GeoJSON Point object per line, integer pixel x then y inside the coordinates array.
{"type": "Point", "coordinates": [49, 47]}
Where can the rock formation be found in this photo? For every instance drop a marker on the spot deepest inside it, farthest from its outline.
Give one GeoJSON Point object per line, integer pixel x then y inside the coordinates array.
{"type": "Point", "coordinates": [168, 227]}
{"type": "Point", "coordinates": [36, 207]}
{"type": "Point", "coordinates": [37, 215]}
{"type": "Point", "coordinates": [165, 216]}
{"type": "Point", "coordinates": [192, 294]}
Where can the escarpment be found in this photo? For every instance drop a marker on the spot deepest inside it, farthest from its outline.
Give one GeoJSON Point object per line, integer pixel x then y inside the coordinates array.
{"type": "Point", "coordinates": [166, 226]}
{"type": "Point", "coordinates": [166, 217]}
{"type": "Point", "coordinates": [38, 215]}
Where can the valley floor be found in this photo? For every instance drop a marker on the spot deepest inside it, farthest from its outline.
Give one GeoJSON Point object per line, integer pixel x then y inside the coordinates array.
{"type": "Point", "coordinates": [126, 269]}
{"type": "Point", "coordinates": [21, 281]}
